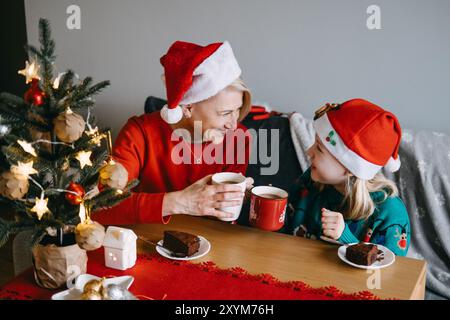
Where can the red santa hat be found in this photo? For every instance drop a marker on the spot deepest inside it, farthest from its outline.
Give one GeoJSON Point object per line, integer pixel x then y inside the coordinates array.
{"type": "Point", "coordinates": [361, 135]}
{"type": "Point", "coordinates": [193, 73]}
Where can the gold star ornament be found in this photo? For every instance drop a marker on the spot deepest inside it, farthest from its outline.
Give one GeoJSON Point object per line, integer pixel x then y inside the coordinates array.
{"type": "Point", "coordinates": [23, 169]}
{"type": "Point", "coordinates": [31, 71]}
{"type": "Point", "coordinates": [84, 158]}
{"type": "Point", "coordinates": [40, 207]}
{"type": "Point", "coordinates": [27, 147]}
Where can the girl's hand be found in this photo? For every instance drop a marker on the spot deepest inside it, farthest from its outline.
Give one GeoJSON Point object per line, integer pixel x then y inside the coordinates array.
{"type": "Point", "coordinates": [333, 224]}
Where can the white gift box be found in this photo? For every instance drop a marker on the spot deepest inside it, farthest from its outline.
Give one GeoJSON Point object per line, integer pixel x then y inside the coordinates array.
{"type": "Point", "coordinates": [120, 248]}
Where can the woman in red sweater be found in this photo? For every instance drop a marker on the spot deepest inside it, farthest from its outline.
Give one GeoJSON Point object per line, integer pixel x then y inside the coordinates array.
{"type": "Point", "coordinates": [206, 100]}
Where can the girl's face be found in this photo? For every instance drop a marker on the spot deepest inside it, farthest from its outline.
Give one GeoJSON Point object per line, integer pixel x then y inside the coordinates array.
{"type": "Point", "coordinates": [325, 168]}
{"type": "Point", "coordinates": [218, 113]}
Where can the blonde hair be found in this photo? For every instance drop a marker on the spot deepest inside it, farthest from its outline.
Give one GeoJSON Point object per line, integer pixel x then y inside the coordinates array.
{"type": "Point", "coordinates": [357, 203]}
{"type": "Point", "coordinates": [239, 84]}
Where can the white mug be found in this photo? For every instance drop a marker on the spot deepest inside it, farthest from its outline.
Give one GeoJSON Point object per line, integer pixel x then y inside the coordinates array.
{"type": "Point", "coordinates": [220, 178]}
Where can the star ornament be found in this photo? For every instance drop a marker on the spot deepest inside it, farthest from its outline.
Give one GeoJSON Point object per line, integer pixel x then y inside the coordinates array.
{"type": "Point", "coordinates": [27, 147]}
{"type": "Point", "coordinates": [23, 169]}
{"type": "Point", "coordinates": [82, 213]}
{"type": "Point", "coordinates": [40, 207]}
{"type": "Point", "coordinates": [84, 158]}
{"type": "Point", "coordinates": [92, 131]}
{"type": "Point", "coordinates": [96, 136]}
{"type": "Point", "coordinates": [30, 72]}
{"type": "Point", "coordinates": [97, 140]}
{"type": "Point", "coordinates": [57, 80]}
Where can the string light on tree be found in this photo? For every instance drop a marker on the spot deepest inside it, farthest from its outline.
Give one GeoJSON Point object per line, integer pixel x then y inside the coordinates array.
{"type": "Point", "coordinates": [23, 169]}
{"type": "Point", "coordinates": [4, 130]}
{"type": "Point", "coordinates": [40, 206]}
{"type": "Point", "coordinates": [82, 213]}
{"type": "Point", "coordinates": [40, 126]}
{"type": "Point", "coordinates": [93, 132]}
{"type": "Point", "coordinates": [27, 147]}
{"type": "Point", "coordinates": [84, 158]}
{"type": "Point", "coordinates": [55, 84]}
{"type": "Point", "coordinates": [31, 71]}
{"type": "Point", "coordinates": [97, 137]}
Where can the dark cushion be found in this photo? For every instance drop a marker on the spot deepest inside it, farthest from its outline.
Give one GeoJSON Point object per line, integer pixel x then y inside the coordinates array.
{"type": "Point", "coordinates": [289, 168]}
{"type": "Point", "coordinates": [153, 104]}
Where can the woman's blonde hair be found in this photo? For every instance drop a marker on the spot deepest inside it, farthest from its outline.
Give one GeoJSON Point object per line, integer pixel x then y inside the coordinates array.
{"type": "Point", "coordinates": [239, 84]}
{"type": "Point", "coordinates": [357, 203]}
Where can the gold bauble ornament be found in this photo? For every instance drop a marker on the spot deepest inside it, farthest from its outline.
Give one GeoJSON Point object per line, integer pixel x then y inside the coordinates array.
{"type": "Point", "coordinates": [94, 285]}
{"type": "Point", "coordinates": [13, 186]}
{"type": "Point", "coordinates": [89, 235]}
{"type": "Point", "coordinates": [69, 126]}
{"type": "Point", "coordinates": [91, 295]}
{"type": "Point", "coordinates": [114, 175]}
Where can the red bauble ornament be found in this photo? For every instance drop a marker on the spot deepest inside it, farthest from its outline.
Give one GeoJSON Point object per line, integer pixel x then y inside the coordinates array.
{"type": "Point", "coordinates": [34, 94]}
{"type": "Point", "coordinates": [79, 190]}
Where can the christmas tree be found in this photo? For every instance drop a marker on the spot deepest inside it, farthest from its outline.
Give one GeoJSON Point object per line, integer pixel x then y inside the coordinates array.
{"type": "Point", "coordinates": [56, 166]}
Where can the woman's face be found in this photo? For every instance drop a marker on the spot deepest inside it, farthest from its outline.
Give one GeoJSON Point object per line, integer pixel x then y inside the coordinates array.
{"type": "Point", "coordinates": [325, 168]}
{"type": "Point", "coordinates": [218, 113]}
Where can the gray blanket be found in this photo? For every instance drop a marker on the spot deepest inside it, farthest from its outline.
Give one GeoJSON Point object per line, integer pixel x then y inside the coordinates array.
{"type": "Point", "coordinates": [424, 185]}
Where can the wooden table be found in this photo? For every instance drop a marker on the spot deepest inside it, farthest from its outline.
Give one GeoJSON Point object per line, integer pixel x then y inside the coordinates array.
{"type": "Point", "coordinates": [290, 258]}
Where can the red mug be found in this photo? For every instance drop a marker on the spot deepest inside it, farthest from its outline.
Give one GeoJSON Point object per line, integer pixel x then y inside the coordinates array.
{"type": "Point", "coordinates": [268, 208]}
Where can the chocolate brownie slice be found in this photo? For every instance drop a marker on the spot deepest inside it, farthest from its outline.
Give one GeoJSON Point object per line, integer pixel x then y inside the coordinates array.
{"type": "Point", "coordinates": [361, 253]}
{"type": "Point", "coordinates": [181, 242]}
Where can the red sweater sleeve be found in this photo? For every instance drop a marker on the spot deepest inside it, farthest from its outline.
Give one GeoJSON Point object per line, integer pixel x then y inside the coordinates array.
{"type": "Point", "coordinates": [130, 149]}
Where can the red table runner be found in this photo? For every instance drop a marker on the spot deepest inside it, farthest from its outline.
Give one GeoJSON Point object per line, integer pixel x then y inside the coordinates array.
{"type": "Point", "coordinates": [159, 278]}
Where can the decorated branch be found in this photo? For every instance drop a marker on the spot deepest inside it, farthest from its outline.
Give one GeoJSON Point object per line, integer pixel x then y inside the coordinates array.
{"type": "Point", "coordinates": [56, 166]}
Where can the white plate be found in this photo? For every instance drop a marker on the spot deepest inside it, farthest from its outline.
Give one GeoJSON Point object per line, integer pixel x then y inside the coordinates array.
{"type": "Point", "coordinates": [75, 290]}
{"type": "Point", "coordinates": [324, 238]}
{"type": "Point", "coordinates": [389, 258]}
{"type": "Point", "coordinates": [205, 246]}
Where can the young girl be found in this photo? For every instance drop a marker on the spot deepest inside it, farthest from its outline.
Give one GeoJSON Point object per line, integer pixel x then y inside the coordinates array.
{"type": "Point", "coordinates": [342, 195]}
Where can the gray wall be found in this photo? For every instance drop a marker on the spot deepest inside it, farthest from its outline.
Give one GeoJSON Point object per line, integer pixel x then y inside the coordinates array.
{"type": "Point", "coordinates": [295, 55]}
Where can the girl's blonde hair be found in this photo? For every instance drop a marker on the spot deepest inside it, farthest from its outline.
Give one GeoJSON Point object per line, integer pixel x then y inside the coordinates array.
{"type": "Point", "coordinates": [357, 203]}
{"type": "Point", "coordinates": [239, 84]}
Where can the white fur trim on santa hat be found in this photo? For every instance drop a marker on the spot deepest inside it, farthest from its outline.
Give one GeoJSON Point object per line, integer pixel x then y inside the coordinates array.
{"type": "Point", "coordinates": [393, 164]}
{"type": "Point", "coordinates": [171, 116]}
{"type": "Point", "coordinates": [213, 75]}
{"type": "Point", "coordinates": [357, 165]}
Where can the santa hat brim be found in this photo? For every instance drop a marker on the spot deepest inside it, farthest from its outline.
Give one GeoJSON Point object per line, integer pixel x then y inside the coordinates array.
{"type": "Point", "coordinates": [356, 164]}
{"type": "Point", "coordinates": [393, 164]}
